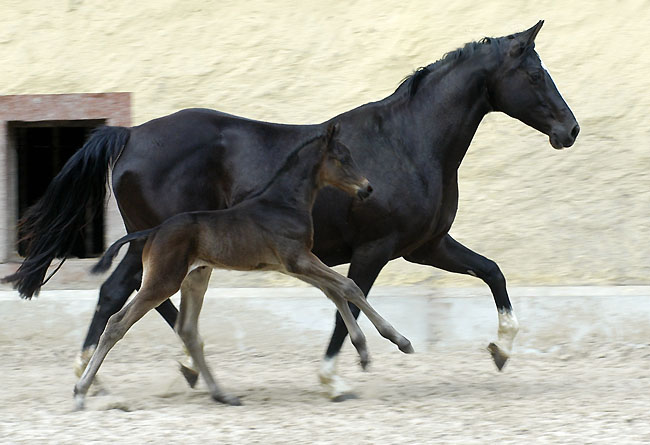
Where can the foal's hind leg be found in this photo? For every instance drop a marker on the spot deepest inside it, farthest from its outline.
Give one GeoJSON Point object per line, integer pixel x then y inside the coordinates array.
{"type": "Point", "coordinates": [192, 293]}
{"type": "Point", "coordinates": [117, 326]}
{"type": "Point", "coordinates": [112, 296]}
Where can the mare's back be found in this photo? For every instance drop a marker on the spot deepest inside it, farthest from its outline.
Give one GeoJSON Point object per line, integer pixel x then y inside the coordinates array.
{"type": "Point", "coordinates": [197, 159]}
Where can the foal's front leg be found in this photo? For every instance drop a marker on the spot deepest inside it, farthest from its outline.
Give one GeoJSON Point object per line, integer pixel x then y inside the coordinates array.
{"type": "Point", "coordinates": [338, 287]}
{"type": "Point", "coordinates": [192, 293]}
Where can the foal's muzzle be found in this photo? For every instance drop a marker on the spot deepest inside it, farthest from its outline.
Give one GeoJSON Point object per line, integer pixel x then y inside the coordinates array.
{"type": "Point", "coordinates": [364, 191]}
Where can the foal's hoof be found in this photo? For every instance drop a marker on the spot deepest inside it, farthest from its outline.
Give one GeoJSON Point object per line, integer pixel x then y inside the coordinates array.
{"type": "Point", "coordinates": [364, 361]}
{"type": "Point", "coordinates": [79, 400]}
{"type": "Point", "coordinates": [227, 399]}
{"type": "Point", "coordinates": [406, 347]}
{"type": "Point", "coordinates": [499, 356]}
{"type": "Point", "coordinates": [191, 376]}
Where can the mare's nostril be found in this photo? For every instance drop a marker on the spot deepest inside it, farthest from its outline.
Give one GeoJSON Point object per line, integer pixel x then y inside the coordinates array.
{"type": "Point", "coordinates": [575, 131]}
{"type": "Point", "coordinates": [369, 189]}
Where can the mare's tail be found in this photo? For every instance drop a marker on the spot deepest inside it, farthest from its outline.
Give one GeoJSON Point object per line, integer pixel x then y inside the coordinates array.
{"type": "Point", "coordinates": [50, 227]}
{"type": "Point", "coordinates": [107, 259]}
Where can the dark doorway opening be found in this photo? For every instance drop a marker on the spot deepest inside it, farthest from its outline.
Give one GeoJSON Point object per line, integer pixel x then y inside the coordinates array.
{"type": "Point", "coordinates": [42, 148]}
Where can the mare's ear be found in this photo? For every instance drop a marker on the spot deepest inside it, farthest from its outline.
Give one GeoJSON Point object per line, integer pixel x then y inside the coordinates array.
{"type": "Point", "coordinates": [525, 39]}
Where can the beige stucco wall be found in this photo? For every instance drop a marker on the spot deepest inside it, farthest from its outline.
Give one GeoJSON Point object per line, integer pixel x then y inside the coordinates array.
{"type": "Point", "coordinates": [581, 216]}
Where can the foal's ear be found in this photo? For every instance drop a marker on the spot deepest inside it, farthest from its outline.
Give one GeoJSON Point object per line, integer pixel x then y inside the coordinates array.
{"type": "Point", "coordinates": [525, 39]}
{"type": "Point", "coordinates": [333, 131]}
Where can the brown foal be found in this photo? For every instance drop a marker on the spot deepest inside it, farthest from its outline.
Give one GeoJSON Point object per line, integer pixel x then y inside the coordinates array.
{"type": "Point", "coordinates": [271, 230]}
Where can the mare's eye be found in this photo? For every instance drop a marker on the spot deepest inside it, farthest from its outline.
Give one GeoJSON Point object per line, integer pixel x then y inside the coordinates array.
{"type": "Point", "coordinates": [535, 76]}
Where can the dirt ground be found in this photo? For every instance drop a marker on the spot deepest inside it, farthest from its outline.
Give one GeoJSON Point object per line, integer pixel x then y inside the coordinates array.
{"type": "Point", "coordinates": [587, 390]}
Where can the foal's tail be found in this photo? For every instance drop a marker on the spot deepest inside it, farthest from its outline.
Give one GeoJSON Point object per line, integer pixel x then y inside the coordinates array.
{"type": "Point", "coordinates": [107, 259]}
{"type": "Point", "coordinates": [50, 227]}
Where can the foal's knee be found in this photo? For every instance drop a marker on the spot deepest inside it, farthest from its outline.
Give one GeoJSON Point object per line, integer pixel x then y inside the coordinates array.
{"type": "Point", "coordinates": [351, 291]}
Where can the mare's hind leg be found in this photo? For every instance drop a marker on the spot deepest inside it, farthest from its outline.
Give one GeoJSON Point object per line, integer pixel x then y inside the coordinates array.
{"type": "Point", "coordinates": [145, 300]}
{"type": "Point", "coordinates": [192, 293]}
{"type": "Point", "coordinates": [448, 254]}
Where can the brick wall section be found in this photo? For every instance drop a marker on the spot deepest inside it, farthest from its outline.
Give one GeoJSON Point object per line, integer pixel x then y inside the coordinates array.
{"type": "Point", "coordinates": [114, 108]}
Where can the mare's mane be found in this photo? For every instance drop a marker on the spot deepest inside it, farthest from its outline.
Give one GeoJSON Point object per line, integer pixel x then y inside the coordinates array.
{"type": "Point", "coordinates": [413, 80]}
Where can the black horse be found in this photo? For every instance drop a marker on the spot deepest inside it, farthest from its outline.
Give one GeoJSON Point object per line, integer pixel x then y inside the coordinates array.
{"type": "Point", "coordinates": [272, 230]}
{"type": "Point", "coordinates": [409, 145]}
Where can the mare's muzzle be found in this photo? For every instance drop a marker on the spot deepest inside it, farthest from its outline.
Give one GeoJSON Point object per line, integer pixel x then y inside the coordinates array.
{"type": "Point", "coordinates": [564, 138]}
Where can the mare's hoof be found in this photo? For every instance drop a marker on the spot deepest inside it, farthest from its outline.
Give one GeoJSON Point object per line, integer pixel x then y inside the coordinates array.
{"type": "Point", "coordinates": [499, 356]}
{"type": "Point", "coordinates": [191, 376]}
{"type": "Point", "coordinates": [227, 399]}
{"type": "Point", "coordinates": [406, 348]}
{"type": "Point", "coordinates": [344, 397]}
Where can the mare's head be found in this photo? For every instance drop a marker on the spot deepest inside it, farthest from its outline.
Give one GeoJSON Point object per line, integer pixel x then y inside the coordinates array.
{"type": "Point", "coordinates": [338, 169]}
{"type": "Point", "coordinates": [522, 88]}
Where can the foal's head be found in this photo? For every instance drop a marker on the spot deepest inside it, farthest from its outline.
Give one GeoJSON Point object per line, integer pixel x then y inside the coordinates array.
{"type": "Point", "coordinates": [338, 169]}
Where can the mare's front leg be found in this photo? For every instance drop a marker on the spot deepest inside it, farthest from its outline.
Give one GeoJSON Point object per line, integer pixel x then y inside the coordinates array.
{"type": "Point", "coordinates": [448, 254]}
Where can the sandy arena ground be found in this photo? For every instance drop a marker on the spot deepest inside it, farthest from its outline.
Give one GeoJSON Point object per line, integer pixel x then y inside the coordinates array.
{"type": "Point", "coordinates": [579, 374]}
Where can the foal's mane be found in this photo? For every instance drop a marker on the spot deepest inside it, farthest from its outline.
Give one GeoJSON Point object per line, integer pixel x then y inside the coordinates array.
{"type": "Point", "coordinates": [289, 162]}
{"type": "Point", "coordinates": [412, 81]}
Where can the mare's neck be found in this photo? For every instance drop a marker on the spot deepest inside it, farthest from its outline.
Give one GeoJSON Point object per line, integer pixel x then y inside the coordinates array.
{"type": "Point", "coordinates": [446, 110]}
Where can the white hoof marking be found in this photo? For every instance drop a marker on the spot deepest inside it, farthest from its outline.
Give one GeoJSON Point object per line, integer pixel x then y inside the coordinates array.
{"type": "Point", "coordinates": [82, 360]}
{"type": "Point", "coordinates": [333, 385]}
{"type": "Point", "coordinates": [508, 328]}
